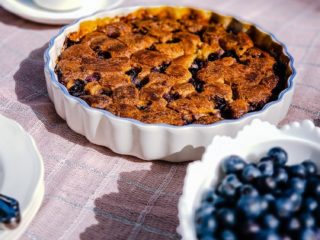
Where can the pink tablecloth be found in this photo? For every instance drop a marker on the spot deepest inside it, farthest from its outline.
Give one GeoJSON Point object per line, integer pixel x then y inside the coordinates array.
{"type": "Point", "coordinates": [93, 193]}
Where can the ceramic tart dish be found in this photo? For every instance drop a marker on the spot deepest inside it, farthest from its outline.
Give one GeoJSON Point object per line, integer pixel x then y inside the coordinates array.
{"type": "Point", "coordinates": [301, 140]}
{"type": "Point", "coordinates": [164, 94]}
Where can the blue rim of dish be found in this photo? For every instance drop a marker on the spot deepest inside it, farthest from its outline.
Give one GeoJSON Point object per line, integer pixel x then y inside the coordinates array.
{"type": "Point", "coordinates": [55, 81]}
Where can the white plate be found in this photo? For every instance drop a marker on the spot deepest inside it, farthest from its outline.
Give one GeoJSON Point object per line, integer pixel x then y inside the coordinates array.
{"type": "Point", "coordinates": [300, 140]}
{"type": "Point", "coordinates": [21, 172]}
{"type": "Point", "coordinates": [29, 10]}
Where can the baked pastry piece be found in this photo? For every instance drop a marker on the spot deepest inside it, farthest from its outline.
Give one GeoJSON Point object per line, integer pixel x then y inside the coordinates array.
{"type": "Point", "coordinates": [168, 65]}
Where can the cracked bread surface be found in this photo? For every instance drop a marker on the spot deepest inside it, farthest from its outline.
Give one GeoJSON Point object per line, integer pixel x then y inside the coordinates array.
{"type": "Point", "coordinates": [167, 65]}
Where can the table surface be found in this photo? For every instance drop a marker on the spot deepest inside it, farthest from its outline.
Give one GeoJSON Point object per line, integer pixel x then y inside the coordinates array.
{"type": "Point", "coordinates": [93, 193]}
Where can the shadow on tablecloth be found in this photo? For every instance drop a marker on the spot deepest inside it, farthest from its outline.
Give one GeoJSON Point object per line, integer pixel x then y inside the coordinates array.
{"type": "Point", "coordinates": [146, 211]}
{"type": "Point", "coordinates": [31, 90]}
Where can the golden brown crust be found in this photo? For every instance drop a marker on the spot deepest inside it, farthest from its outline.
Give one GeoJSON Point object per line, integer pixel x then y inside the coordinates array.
{"type": "Point", "coordinates": [167, 65]}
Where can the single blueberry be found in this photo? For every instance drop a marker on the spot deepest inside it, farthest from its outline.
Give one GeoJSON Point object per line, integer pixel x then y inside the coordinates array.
{"type": "Point", "coordinates": [250, 172]}
{"type": "Point", "coordinates": [297, 184]}
{"type": "Point", "coordinates": [268, 235]}
{"type": "Point", "coordinates": [249, 228]}
{"type": "Point", "coordinates": [227, 190]}
{"type": "Point", "coordinates": [248, 190]}
{"type": "Point", "coordinates": [233, 164]}
{"type": "Point", "coordinates": [232, 179]}
{"type": "Point", "coordinates": [280, 176]}
{"type": "Point", "coordinates": [307, 220]}
{"type": "Point", "coordinates": [226, 217]}
{"type": "Point", "coordinates": [209, 196]}
{"type": "Point", "coordinates": [313, 187]}
{"type": "Point", "coordinates": [309, 204]}
{"type": "Point", "coordinates": [284, 207]}
{"type": "Point", "coordinates": [205, 210]}
{"type": "Point", "coordinates": [292, 225]}
{"type": "Point", "coordinates": [311, 167]}
{"type": "Point", "coordinates": [227, 235]}
{"type": "Point", "coordinates": [249, 207]}
{"type": "Point", "coordinates": [267, 184]}
{"type": "Point", "coordinates": [307, 234]}
{"type": "Point", "coordinates": [206, 225]}
{"type": "Point", "coordinates": [297, 170]}
{"type": "Point", "coordinates": [295, 198]}
{"type": "Point", "coordinates": [266, 168]}
{"type": "Point", "coordinates": [270, 221]}
{"type": "Point", "coordinates": [279, 155]}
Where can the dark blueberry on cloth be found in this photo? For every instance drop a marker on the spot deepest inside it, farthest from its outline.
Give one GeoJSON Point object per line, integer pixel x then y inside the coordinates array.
{"type": "Point", "coordinates": [280, 156]}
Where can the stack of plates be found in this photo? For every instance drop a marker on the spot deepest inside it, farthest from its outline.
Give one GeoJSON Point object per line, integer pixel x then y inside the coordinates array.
{"type": "Point", "coordinates": [21, 173]}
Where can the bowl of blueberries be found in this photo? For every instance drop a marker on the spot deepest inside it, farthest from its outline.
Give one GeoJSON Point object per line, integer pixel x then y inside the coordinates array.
{"type": "Point", "coordinates": [263, 184]}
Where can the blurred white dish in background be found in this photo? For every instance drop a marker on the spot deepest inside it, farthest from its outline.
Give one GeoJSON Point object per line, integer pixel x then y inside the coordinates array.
{"type": "Point", "coordinates": [28, 9]}
{"type": "Point", "coordinates": [59, 5]}
{"type": "Point", "coordinates": [21, 173]}
{"type": "Point", "coordinates": [300, 140]}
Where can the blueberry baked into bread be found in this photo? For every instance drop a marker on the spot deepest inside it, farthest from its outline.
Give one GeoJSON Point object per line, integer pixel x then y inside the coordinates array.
{"type": "Point", "coordinates": [168, 65]}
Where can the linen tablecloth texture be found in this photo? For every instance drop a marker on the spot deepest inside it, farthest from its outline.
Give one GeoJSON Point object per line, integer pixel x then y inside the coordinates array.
{"type": "Point", "coordinates": [93, 193]}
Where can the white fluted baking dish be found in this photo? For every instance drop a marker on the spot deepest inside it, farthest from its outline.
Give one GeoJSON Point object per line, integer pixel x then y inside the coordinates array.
{"type": "Point", "coordinates": [157, 141]}
{"type": "Point", "coordinates": [300, 140]}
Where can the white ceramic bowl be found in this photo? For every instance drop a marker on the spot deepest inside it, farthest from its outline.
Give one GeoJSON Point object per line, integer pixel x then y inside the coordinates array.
{"type": "Point", "coordinates": [300, 140]}
{"type": "Point", "coordinates": [156, 141]}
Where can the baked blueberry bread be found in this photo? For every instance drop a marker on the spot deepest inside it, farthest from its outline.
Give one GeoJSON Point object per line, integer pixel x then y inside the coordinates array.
{"type": "Point", "coordinates": [168, 65]}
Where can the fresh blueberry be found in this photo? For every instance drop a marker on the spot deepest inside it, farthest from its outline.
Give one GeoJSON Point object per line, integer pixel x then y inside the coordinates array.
{"type": "Point", "coordinates": [307, 220]}
{"type": "Point", "coordinates": [311, 167]}
{"type": "Point", "coordinates": [232, 179]}
{"type": "Point", "coordinates": [268, 235]}
{"type": "Point", "coordinates": [250, 172]}
{"type": "Point", "coordinates": [227, 235]}
{"type": "Point", "coordinates": [295, 198]}
{"type": "Point", "coordinates": [280, 176]}
{"type": "Point", "coordinates": [250, 228]}
{"type": "Point", "coordinates": [248, 190]}
{"type": "Point", "coordinates": [270, 221]}
{"type": "Point", "coordinates": [284, 207]}
{"type": "Point", "coordinates": [279, 155]}
{"type": "Point", "coordinates": [307, 234]}
{"type": "Point", "coordinates": [210, 196]}
{"type": "Point", "coordinates": [297, 170]}
{"type": "Point", "coordinates": [227, 189]}
{"type": "Point", "coordinates": [292, 224]}
{"type": "Point", "coordinates": [206, 225]}
{"type": "Point", "coordinates": [309, 204]}
{"type": "Point", "coordinates": [233, 164]}
{"type": "Point", "coordinates": [226, 217]}
{"type": "Point", "coordinates": [204, 211]}
{"type": "Point", "coordinates": [313, 186]}
{"type": "Point", "coordinates": [266, 168]}
{"type": "Point", "coordinates": [297, 184]}
{"type": "Point", "coordinates": [267, 184]}
{"type": "Point", "coordinates": [249, 207]}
